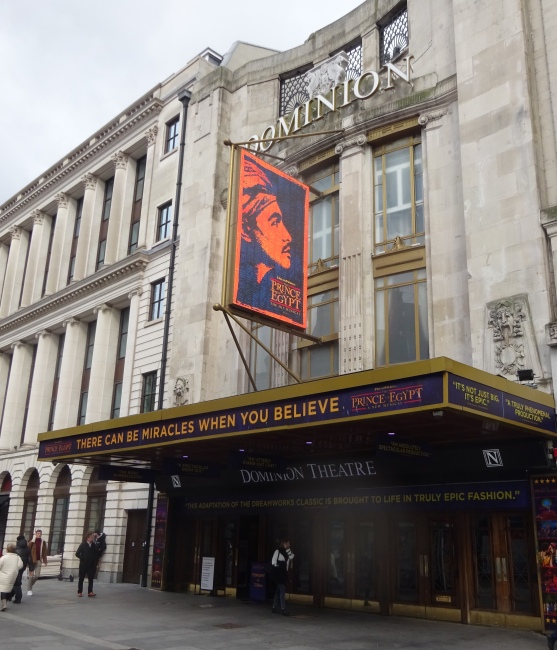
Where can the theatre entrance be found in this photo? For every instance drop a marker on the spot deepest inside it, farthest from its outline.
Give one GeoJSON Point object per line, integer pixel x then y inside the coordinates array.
{"type": "Point", "coordinates": [454, 566]}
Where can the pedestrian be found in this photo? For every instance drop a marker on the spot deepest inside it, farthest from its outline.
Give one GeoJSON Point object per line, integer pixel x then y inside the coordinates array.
{"type": "Point", "coordinates": [281, 561]}
{"type": "Point", "coordinates": [39, 558]}
{"type": "Point", "coordinates": [10, 564]}
{"type": "Point", "coordinates": [88, 555]}
{"type": "Point", "coordinates": [100, 542]}
{"type": "Point", "coordinates": [24, 552]}
{"type": "Point", "coordinates": [551, 638]}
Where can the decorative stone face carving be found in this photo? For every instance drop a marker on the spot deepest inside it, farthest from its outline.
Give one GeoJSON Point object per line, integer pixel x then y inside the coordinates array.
{"type": "Point", "coordinates": [327, 75]}
{"type": "Point", "coordinates": [510, 340]}
{"type": "Point", "coordinates": [181, 391]}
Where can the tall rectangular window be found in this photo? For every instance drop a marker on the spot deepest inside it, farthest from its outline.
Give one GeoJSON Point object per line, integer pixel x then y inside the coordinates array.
{"type": "Point", "coordinates": [76, 229]}
{"type": "Point", "coordinates": [88, 362]}
{"type": "Point", "coordinates": [120, 362]}
{"type": "Point", "coordinates": [158, 294]}
{"type": "Point", "coordinates": [172, 134]}
{"type": "Point", "coordinates": [260, 362]}
{"type": "Point", "coordinates": [164, 221]}
{"type": "Point", "coordinates": [137, 203]}
{"type": "Point", "coordinates": [324, 219]}
{"type": "Point", "coordinates": [149, 392]}
{"type": "Point", "coordinates": [321, 360]}
{"type": "Point", "coordinates": [401, 317]}
{"type": "Point", "coordinates": [59, 354]}
{"type": "Point", "coordinates": [393, 34]}
{"type": "Point", "coordinates": [105, 216]}
{"type": "Point", "coordinates": [48, 254]}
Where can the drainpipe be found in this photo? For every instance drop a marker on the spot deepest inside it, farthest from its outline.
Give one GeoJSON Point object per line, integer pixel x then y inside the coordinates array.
{"type": "Point", "coordinates": [184, 96]}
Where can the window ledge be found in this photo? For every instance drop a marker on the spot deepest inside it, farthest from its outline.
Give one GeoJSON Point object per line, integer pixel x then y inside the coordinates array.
{"type": "Point", "coordinates": [168, 153]}
{"type": "Point", "coordinates": [155, 321]}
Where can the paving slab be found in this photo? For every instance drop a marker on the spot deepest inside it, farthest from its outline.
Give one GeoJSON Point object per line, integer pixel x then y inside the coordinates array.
{"type": "Point", "coordinates": [128, 617]}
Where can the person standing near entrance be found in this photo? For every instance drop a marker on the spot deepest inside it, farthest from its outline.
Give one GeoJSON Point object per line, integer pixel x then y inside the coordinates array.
{"type": "Point", "coordinates": [88, 555]}
{"type": "Point", "coordinates": [39, 558]}
{"type": "Point", "coordinates": [10, 564]}
{"type": "Point", "coordinates": [282, 558]}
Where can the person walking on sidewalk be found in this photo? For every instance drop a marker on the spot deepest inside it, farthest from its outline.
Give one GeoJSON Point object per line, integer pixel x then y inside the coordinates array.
{"type": "Point", "coordinates": [282, 558]}
{"type": "Point", "coordinates": [21, 549]}
{"type": "Point", "coordinates": [88, 555]}
{"type": "Point", "coordinates": [39, 558]}
{"type": "Point", "coordinates": [10, 564]}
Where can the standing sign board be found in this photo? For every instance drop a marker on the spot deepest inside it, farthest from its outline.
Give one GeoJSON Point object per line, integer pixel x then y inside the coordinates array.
{"type": "Point", "coordinates": [207, 573]}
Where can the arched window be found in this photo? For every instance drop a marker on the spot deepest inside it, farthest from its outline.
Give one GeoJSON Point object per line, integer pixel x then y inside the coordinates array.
{"type": "Point", "coordinates": [60, 511]}
{"type": "Point", "coordinates": [96, 503]}
{"type": "Point", "coordinates": [30, 506]}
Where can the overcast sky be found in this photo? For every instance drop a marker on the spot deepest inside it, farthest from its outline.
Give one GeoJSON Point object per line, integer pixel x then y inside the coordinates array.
{"type": "Point", "coordinates": [68, 66]}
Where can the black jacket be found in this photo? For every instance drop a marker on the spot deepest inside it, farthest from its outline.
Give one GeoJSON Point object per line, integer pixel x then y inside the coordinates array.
{"type": "Point", "coordinates": [24, 552]}
{"type": "Point", "coordinates": [100, 543]}
{"type": "Point", "coordinates": [87, 554]}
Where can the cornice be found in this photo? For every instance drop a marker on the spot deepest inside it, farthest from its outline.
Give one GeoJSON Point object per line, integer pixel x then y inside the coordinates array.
{"type": "Point", "coordinates": [127, 267]}
{"type": "Point", "coordinates": [144, 109]}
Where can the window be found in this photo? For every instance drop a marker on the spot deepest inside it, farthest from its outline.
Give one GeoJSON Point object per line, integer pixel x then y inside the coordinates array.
{"type": "Point", "coordinates": [48, 254]}
{"type": "Point", "coordinates": [164, 221]}
{"type": "Point", "coordinates": [76, 229]}
{"type": "Point", "coordinates": [60, 511]}
{"type": "Point", "coordinates": [401, 319]}
{"type": "Point", "coordinates": [96, 503]}
{"type": "Point", "coordinates": [401, 329]}
{"type": "Point", "coordinates": [149, 392]}
{"type": "Point", "coordinates": [105, 215]}
{"type": "Point", "coordinates": [393, 35]}
{"type": "Point", "coordinates": [137, 203]}
{"type": "Point", "coordinates": [30, 498]}
{"type": "Point", "coordinates": [261, 363]}
{"type": "Point", "coordinates": [172, 134]}
{"type": "Point", "coordinates": [158, 293]}
{"type": "Point", "coordinates": [321, 360]}
{"type": "Point", "coordinates": [399, 203]}
{"type": "Point", "coordinates": [88, 362]}
{"type": "Point", "coordinates": [120, 362]}
{"type": "Point", "coordinates": [60, 352]}
{"type": "Point", "coordinates": [324, 219]}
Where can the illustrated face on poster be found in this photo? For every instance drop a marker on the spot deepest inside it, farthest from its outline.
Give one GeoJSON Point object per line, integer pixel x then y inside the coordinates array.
{"type": "Point", "coordinates": [270, 274]}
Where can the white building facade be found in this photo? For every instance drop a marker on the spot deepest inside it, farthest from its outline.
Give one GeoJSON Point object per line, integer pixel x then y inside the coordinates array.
{"type": "Point", "coordinates": [429, 144]}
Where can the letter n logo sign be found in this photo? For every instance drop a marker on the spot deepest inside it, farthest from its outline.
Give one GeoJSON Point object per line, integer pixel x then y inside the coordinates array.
{"type": "Point", "coordinates": [176, 481]}
{"type": "Point", "coordinates": [493, 458]}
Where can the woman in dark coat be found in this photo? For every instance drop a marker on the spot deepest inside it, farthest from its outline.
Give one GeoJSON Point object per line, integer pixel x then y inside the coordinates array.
{"type": "Point", "coordinates": [88, 555]}
{"type": "Point", "coordinates": [24, 552]}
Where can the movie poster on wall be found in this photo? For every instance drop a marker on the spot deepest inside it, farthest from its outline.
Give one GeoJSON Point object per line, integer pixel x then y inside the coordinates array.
{"type": "Point", "coordinates": [270, 257]}
{"type": "Point", "coordinates": [545, 504]}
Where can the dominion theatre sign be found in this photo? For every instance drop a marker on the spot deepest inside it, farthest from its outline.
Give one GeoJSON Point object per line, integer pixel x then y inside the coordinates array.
{"type": "Point", "coordinates": [330, 89]}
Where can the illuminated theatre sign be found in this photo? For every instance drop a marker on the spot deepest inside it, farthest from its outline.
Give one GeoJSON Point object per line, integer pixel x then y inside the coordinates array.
{"type": "Point", "coordinates": [340, 92]}
{"type": "Point", "coordinates": [433, 389]}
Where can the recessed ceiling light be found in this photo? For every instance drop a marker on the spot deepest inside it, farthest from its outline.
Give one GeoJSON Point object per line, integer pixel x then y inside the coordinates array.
{"type": "Point", "coordinates": [391, 433]}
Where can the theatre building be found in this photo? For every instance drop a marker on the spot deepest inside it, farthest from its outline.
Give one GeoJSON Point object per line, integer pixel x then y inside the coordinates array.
{"type": "Point", "coordinates": [330, 316]}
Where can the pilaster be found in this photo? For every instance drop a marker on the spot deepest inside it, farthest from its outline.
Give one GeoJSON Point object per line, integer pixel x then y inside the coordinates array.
{"type": "Point", "coordinates": [5, 362]}
{"type": "Point", "coordinates": [71, 373]}
{"type": "Point", "coordinates": [116, 221]}
{"type": "Point", "coordinates": [36, 260]}
{"type": "Point", "coordinates": [14, 271]}
{"type": "Point", "coordinates": [57, 274]}
{"type": "Point", "coordinates": [16, 395]}
{"type": "Point", "coordinates": [83, 245]}
{"type": "Point", "coordinates": [41, 388]}
{"type": "Point", "coordinates": [101, 382]}
{"type": "Point", "coordinates": [151, 136]}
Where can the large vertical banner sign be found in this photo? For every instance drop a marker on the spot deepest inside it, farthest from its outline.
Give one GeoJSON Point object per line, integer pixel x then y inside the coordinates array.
{"type": "Point", "coordinates": [545, 503]}
{"type": "Point", "coordinates": [270, 261]}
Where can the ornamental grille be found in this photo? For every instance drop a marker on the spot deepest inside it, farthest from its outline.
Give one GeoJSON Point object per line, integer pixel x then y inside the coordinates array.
{"type": "Point", "coordinates": [393, 36]}
{"type": "Point", "coordinates": [293, 90]}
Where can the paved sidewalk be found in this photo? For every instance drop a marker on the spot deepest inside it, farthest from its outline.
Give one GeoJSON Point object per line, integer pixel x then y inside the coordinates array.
{"type": "Point", "coordinates": [123, 617]}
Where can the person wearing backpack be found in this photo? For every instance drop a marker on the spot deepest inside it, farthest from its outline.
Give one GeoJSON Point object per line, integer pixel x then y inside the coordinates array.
{"type": "Point", "coordinates": [280, 564]}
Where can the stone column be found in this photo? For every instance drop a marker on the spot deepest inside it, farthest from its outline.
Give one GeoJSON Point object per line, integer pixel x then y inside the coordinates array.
{"type": "Point", "coordinates": [354, 203]}
{"type": "Point", "coordinates": [83, 247]}
{"type": "Point", "coordinates": [14, 271]}
{"type": "Point", "coordinates": [5, 361]}
{"type": "Point", "coordinates": [134, 297]}
{"type": "Point", "coordinates": [101, 382]}
{"type": "Point", "coordinates": [36, 260]}
{"type": "Point", "coordinates": [71, 373]}
{"type": "Point", "coordinates": [41, 388]}
{"type": "Point", "coordinates": [115, 221]}
{"type": "Point", "coordinates": [16, 395]}
{"type": "Point", "coordinates": [57, 274]}
{"type": "Point", "coordinates": [151, 136]}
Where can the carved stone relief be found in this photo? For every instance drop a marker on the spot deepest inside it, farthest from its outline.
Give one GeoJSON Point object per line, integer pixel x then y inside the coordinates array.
{"type": "Point", "coordinates": [327, 75]}
{"type": "Point", "coordinates": [181, 391]}
{"type": "Point", "coordinates": [510, 342]}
